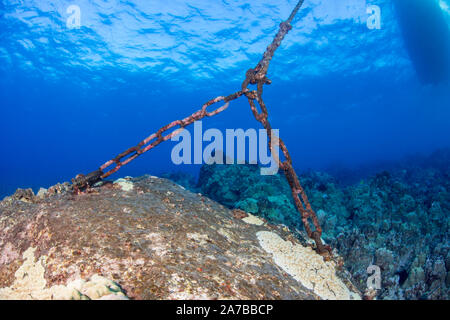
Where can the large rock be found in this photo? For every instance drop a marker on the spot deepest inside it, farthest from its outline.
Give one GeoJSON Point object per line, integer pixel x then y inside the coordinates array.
{"type": "Point", "coordinates": [148, 238]}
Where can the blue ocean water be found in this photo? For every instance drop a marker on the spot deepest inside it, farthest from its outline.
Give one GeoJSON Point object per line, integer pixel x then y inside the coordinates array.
{"type": "Point", "coordinates": [73, 98]}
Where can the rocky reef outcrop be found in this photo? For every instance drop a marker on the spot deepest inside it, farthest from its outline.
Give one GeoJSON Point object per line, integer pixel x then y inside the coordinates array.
{"type": "Point", "coordinates": [398, 220]}
{"type": "Point", "coordinates": [149, 238]}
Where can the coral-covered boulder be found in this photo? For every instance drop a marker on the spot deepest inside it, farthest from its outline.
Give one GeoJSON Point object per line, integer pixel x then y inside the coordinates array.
{"type": "Point", "coordinates": [148, 238]}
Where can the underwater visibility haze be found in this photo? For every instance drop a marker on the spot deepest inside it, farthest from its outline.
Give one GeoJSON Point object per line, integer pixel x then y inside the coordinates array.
{"type": "Point", "coordinates": [360, 93]}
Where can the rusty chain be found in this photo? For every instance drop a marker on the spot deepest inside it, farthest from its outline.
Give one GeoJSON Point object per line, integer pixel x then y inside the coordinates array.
{"type": "Point", "coordinates": [256, 76]}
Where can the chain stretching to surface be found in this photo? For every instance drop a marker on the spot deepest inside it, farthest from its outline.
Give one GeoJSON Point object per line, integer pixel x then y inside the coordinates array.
{"type": "Point", "coordinates": [255, 76]}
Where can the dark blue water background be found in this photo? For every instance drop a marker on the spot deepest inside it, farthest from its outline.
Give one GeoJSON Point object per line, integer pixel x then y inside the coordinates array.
{"type": "Point", "coordinates": [71, 99]}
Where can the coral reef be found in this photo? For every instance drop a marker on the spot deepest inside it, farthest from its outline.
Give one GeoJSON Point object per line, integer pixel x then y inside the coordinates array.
{"type": "Point", "coordinates": [242, 187]}
{"type": "Point", "coordinates": [397, 219]}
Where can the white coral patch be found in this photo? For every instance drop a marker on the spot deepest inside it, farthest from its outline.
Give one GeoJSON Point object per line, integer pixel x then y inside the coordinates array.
{"type": "Point", "coordinates": [306, 266]}
{"type": "Point", "coordinates": [30, 284]}
{"type": "Point", "coordinates": [251, 219]}
{"type": "Point", "coordinates": [125, 185]}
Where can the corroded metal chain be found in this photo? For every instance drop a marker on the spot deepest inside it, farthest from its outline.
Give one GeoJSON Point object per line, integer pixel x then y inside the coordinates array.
{"type": "Point", "coordinates": [83, 181]}
{"type": "Point", "coordinates": [158, 137]}
{"type": "Point", "coordinates": [256, 76]}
